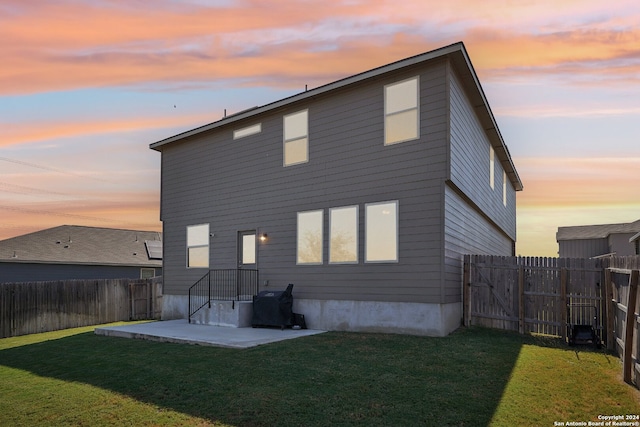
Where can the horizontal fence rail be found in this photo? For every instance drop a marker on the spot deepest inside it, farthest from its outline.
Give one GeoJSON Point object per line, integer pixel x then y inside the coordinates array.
{"type": "Point", "coordinates": [222, 285]}
{"type": "Point", "coordinates": [554, 295]}
{"type": "Point", "coordinates": [34, 307]}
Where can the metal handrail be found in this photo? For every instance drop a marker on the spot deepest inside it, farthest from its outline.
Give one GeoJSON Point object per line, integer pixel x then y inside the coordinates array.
{"type": "Point", "coordinates": [223, 285]}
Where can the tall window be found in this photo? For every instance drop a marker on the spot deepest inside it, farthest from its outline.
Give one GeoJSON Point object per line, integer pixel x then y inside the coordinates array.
{"type": "Point", "coordinates": [381, 232]}
{"type": "Point", "coordinates": [343, 235]}
{"type": "Point", "coordinates": [296, 138]}
{"type": "Point", "coordinates": [492, 167]}
{"type": "Point", "coordinates": [198, 246]}
{"type": "Point", "coordinates": [309, 245]}
{"type": "Point", "coordinates": [401, 111]}
{"type": "Point", "coordinates": [504, 188]}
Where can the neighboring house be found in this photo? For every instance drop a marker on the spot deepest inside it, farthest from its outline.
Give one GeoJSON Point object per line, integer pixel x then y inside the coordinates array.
{"type": "Point", "coordinates": [76, 252]}
{"type": "Point", "coordinates": [635, 241]}
{"type": "Point", "coordinates": [367, 192]}
{"type": "Point", "coordinates": [589, 241]}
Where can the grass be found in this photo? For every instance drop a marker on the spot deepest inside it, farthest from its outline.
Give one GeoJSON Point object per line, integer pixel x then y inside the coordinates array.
{"type": "Point", "coordinates": [474, 377]}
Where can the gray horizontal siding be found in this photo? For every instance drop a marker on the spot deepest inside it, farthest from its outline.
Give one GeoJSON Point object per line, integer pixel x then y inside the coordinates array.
{"type": "Point", "coordinates": [467, 232]}
{"type": "Point", "coordinates": [241, 184]}
{"type": "Point", "coordinates": [584, 248]}
{"type": "Point", "coordinates": [470, 162]}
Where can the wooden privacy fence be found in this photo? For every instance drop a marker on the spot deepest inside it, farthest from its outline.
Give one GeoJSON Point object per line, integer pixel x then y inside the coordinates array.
{"type": "Point", "coordinates": [33, 307]}
{"type": "Point", "coordinates": [548, 295]}
{"type": "Point", "coordinates": [622, 278]}
{"type": "Point", "coordinates": [531, 294]}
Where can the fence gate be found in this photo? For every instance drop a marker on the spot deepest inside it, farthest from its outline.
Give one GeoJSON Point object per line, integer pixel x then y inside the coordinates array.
{"type": "Point", "coordinates": [528, 294]}
{"type": "Point", "coordinates": [146, 299]}
{"type": "Point", "coordinates": [493, 295]}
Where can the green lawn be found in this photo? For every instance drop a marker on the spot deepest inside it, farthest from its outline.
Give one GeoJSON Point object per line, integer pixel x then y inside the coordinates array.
{"type": "Point", "coordinates": [474, 377]}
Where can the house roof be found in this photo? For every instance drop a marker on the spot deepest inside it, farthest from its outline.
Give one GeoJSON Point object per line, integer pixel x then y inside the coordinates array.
{"type": "Point", "coordinates": [73, 244]}
{"type": "Point", "coordinates": [602, 231]}
{"type": "Point", "coordinates": [459, 58]}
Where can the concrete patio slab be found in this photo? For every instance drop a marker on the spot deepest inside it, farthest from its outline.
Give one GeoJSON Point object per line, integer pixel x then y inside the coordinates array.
{"type": "Point", "coordinates": [180, 331]}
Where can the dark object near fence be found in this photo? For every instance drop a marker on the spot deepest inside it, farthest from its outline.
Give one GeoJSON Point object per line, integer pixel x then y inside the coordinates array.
{"type": "Point", "coordinates": [582, 324]}
{"type": "Point", "coordinates": [273, 308]}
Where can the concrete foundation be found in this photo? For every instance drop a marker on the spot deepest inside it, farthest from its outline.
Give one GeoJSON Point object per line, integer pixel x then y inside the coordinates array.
{"type": "Point", "coordinates": [235, 314]}
{"type": "Point", "coordinates": [376, 316]}
{"type": "Point", "coordinates": [331, 315]}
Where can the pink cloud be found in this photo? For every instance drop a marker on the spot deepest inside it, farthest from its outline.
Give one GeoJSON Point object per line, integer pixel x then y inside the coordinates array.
{"type": "Point", "coordinates": [20, 133]}
{"type": "Point", "coordinates": [64, 45]}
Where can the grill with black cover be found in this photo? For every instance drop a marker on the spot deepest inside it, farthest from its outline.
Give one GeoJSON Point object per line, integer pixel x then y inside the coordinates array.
{"type": "Point", "coordinates": [273, 308]}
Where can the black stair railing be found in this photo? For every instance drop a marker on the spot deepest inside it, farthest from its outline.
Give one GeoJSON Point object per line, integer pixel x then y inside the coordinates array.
{"type": "Point", "coordinates": [222, 285]}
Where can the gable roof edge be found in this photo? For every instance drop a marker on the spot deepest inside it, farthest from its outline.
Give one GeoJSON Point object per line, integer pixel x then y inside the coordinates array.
{"type": "Point", "coordinates": [443, 51]}
{"type": "Point", "coordinates": [457, 49]}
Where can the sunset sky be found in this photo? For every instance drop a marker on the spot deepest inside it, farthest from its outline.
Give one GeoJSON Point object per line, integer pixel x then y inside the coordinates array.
{"type": "Point", "coordinates": [86, 86]}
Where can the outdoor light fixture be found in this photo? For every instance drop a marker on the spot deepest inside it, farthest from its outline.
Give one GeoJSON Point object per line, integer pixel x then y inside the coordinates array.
{"type": "Point", "coordinates": [263, 237]}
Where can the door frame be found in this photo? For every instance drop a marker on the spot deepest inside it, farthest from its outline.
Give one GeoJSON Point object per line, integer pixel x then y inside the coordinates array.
{"type": "Point", "coordinates": [241, 249]}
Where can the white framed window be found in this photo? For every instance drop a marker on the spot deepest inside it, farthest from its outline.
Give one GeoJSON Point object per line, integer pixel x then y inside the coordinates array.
{"type": "Point", "coordinates": [504, 188]}
{"type": "Point", "coordinates": [492, 167]}
{"type": "Point", "coordinates": [296, 138]}
{"type": "Point", "coordinates": [198, 246]}
{"type": "Point", "coordinates": [247, 131]}
{"type": "Point", "coordinates": [343, 235]}
{"type": "Point", "coordinates": [381, 232]}
{"type": "Point", "coordinates": [401, 111]}
{"type": "Point", "coordinates": [147, 273]}
{"type": "Point", "coordinates": [309, 238]}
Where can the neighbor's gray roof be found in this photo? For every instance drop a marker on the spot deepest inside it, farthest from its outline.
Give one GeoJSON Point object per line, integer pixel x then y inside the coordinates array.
{"type": "Point", "coordinates": [596, 231]}
{"type": "Point", "coordinates": [72, 244]}
{"type": "Point", "coordinates": [456, 52]}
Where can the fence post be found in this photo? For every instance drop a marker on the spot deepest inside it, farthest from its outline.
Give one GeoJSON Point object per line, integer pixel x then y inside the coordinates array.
{"type": "Point", "coordinates": [466, 291]}
{"type": "Point", "coordinates": [563, 303]}
{"type": "Point", "coordinates": [521, 313]}
{"type": "Point", "coordinates": [627, 364]}
{"type": "Point", "coordinates": [609, 310]}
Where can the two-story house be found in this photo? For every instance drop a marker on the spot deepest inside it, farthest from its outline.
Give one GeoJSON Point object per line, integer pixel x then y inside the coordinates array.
{"type": "Point", "coordinates": [364, 193]}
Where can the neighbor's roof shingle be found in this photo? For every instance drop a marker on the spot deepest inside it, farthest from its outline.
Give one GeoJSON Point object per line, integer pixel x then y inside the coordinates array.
{"type": "Point", "coordinates": [596, 231]}
{"type": "Point", "coordinates": [72, 244]}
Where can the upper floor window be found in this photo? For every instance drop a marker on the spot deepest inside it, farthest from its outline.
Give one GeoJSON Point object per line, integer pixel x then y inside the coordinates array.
{"type": "Point", "coordinates": [492, 167]}
{"type": "Point", "coordinates": [401, 111]}
{"type": "Point", "coordinates": [296, 138]}
{"type": "Point", "coordinates": [249, 130]}
{"type": "Point", "coordinates": [198, 246]}
{"type": "Point", "coordinates": [504, 188]}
